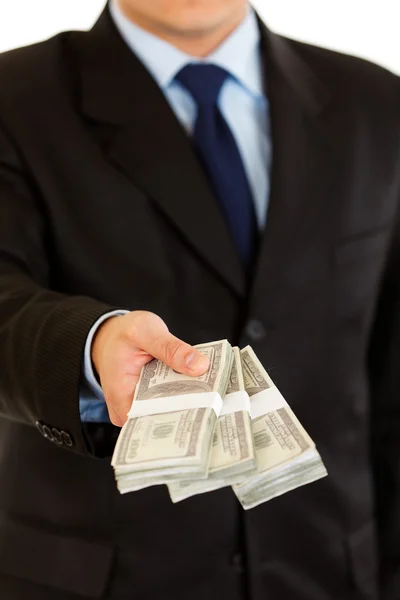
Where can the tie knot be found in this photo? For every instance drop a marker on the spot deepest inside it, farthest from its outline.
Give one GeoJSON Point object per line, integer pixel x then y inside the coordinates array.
{"type": "Point", "coordinates": [203, 81]}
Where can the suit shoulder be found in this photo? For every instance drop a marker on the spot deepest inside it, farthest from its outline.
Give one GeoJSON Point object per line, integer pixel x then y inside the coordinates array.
{"type": "Point", "coordinates": [351, 78]}
{"type": "Point", "coordinates": [33, 73]}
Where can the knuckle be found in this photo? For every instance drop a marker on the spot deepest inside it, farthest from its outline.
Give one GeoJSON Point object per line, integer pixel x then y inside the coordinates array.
{"type": "Point", "coordinates": [144, 324]}
{"type": "Point", "coordinates": [172, 348]}
{"type": "Point", "coordinates": [114, 416]}
{"type": "Point", "coordinates": [115, 420]}
{"type": "Point", "coordinates": [136, 327]}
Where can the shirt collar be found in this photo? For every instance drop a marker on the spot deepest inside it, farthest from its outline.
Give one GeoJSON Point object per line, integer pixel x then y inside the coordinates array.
{"type": "Point", "coordinates": [239, 54]}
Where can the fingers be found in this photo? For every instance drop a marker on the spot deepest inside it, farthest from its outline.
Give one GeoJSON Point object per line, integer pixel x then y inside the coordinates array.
{"type": "Point", "coordinates": [115, 405]}
{"type": "Point", "coordinates": [114, 416]}
{"type": "Point", "coordinates": [119, 398]}
{"type": "Point", "coordinates": [126, 344]}
{"type": "Point", "coordinates": [152, 335]}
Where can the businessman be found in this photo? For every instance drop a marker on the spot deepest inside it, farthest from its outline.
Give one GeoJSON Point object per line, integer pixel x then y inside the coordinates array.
{"type": "Point", "coordinates": [176, 175]}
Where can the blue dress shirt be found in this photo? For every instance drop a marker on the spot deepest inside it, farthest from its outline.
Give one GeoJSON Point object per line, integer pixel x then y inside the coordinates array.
{"type": "Point", "coordinates": [244, 106]}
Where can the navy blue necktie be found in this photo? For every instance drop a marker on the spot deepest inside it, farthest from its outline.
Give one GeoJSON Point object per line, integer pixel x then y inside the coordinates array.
{"type": "Point", "coordinates": [217, 150]}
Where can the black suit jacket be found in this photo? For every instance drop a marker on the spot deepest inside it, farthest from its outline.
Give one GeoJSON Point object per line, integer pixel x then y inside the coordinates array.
{"type": "Point", "coordinates": [104, 205]}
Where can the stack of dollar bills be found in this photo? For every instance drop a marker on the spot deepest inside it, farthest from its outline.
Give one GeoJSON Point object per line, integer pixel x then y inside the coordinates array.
{"type": "Point", "coordinates": [286, 455]}
{"type": "Point", "coordinates": [171, 424]}
{"type": "Point", "coordinates": [228, 427]}
{"type": "Point", "coordinates": [232, 456]}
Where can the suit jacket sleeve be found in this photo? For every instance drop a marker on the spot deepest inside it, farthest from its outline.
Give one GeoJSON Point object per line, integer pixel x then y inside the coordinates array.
{"type": "Point", "coordinates": [42, 332]}
{"type": "Point", "coordinates": [385, 421]}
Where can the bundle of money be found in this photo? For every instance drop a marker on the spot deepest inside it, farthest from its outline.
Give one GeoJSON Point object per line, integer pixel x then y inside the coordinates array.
{"type": "Point", "coordinates": [232, 453]}
{"type": "Point", "coordinates": [171, 425]}
{"type": "Point", "coordinates": [286, 455]}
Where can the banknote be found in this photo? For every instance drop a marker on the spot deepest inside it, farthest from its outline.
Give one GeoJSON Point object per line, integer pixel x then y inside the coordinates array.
{"type": "Point", "coordinates": [158, 380]}
{"type": "Point", "coordinates": [232, 452]}
{"type": "Point", "coordinates": [286, 455]}
{"type": "Point", "coordinates": [256, 444]}
{"type": "Point", "coordinates": [158, 446]}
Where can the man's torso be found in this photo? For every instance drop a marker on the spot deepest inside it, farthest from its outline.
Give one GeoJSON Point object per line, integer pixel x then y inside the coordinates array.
{"type": "Point", "coordinates": [130, 220]}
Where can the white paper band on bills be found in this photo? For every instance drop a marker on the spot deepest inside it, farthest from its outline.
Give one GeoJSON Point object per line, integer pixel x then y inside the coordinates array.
{"type": "Point", "coordinates": [266, 401]}
{"type": "Point", "coordinates": [234, 402]}
{"type": "Point", "coordinates": [156, 406]}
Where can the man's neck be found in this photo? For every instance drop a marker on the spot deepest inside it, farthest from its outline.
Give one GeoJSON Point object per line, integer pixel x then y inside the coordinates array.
{"type": "Point", "coordinates": [196, 43]}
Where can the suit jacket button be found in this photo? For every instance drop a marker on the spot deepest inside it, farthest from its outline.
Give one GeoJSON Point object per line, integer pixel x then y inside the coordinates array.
{"type": "Point", "coordinates": [47, 433]}
{"type": "Point", "coordinates": [39, 426]}
{"type": "Point", "coordinates": [255, 330]}
{"type": "Point", "coordinates": [67, 439]}
{"type": "Point", "coordinates": [57, 436]}
{"type": "Point", "coordinates": [237, 562]}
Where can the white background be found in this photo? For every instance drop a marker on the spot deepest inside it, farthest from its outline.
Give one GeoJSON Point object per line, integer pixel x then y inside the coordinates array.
{"type": "Point", "coordinates": [367, 28]}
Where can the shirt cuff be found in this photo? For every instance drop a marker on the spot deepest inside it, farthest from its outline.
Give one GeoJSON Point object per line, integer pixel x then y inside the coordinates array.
{"type": "Point", "coordinates": [88, 371]}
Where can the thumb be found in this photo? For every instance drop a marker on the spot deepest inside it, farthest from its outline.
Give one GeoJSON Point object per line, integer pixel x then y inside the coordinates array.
{"type": "Point", "coordinates": [179, 356]}
{"type": "Point", "coordinates": [160, 343]}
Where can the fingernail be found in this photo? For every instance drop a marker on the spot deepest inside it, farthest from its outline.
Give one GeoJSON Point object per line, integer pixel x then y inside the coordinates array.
{"type": "Point", "coordinates": [196, 361]}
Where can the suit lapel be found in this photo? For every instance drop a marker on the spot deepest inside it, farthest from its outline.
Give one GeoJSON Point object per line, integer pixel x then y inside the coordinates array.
{"type": "Point", "coordinates": [302, 169]}
{"type": "Point", "coordinates": [151, 148]}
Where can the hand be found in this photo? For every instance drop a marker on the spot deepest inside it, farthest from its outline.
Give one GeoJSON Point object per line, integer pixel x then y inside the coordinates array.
{"type": "Point", "coordinates": [124, 344]}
